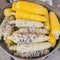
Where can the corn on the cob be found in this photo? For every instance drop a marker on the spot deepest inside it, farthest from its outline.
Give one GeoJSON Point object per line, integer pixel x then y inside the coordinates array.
{"type": "Point", "coordinates": [55, 27]}
{"type": "Point", "coordinates": [38, 9]}
{"type": "Point", "coordinates": [47, 24]}
{"type": "Point", "coordinates": [3, 26]}
{"type": "Point", "coordinates": [26, 50]}
{"type": "Point", "coordinates": [33, 54]}
{"type": "Point", "coordinates": [52, 39]}
{"type": "Point", "coordinates": [27, 37]}
{"type": "Point", "coordinates": [14, 6]}
{"type": "Point", "coordinates": [32, 30]}
{"type": "Point", "coordinates": [32, 17]}
{"type": "Point", "coordinates": [27, 23]}
{"type": "Point", "coordinates": [8, 41]}
{"type": "Point", "coordinates": [31, 7]}
{"type": "Point", "coordinates": [8, 30]}
{"type": "Point", "coordinates": [7, 12]}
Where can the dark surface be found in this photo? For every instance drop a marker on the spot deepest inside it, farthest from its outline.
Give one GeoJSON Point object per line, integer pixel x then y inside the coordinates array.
{"type": "Point", "coordinates": [56, 5]}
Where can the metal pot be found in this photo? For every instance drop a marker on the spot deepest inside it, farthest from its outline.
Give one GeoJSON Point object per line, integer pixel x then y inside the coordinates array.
{"type": "Point", "coordinates": [3, 45]}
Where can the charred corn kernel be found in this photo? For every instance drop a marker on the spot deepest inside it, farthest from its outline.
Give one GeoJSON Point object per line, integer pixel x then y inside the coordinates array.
{"type": "Point", "coordinates": [55, 27]}
{"type": "Point", "coordinates": [7, 12]}
{"type": "Point", "coordinates": [8, 41]}
{"type": "Point", "coordinates": [14, 6]}
{"type": "Point", "coordinates": [30, 16]}
{"type": "Point", "coordinates": [31, 7]}
{"type": "Point", "coordinates": [52, 39]}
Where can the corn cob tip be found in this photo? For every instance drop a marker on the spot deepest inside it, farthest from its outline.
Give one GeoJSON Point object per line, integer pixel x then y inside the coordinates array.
{"type": "Point", "coordinates": [7, 12]}
{"type": "Point", "coordinates": [14, 6]}
{"type": "Point", "coordinates": [55, 25]}
{"type": "Point", "coordinates": [33, 17]}
{"type": "Point", "coordinates": [52, 39]}
{"type": "Point", "coordinates": [57, 34]}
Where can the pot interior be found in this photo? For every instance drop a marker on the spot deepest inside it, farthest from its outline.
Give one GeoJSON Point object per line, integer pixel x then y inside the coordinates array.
{"type": "Point", "coordinates": [3, 44]}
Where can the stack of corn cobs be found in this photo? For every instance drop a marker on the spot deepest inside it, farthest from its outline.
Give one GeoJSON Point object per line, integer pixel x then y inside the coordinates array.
{"type": "Point", "coordinates": [29, 29]}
